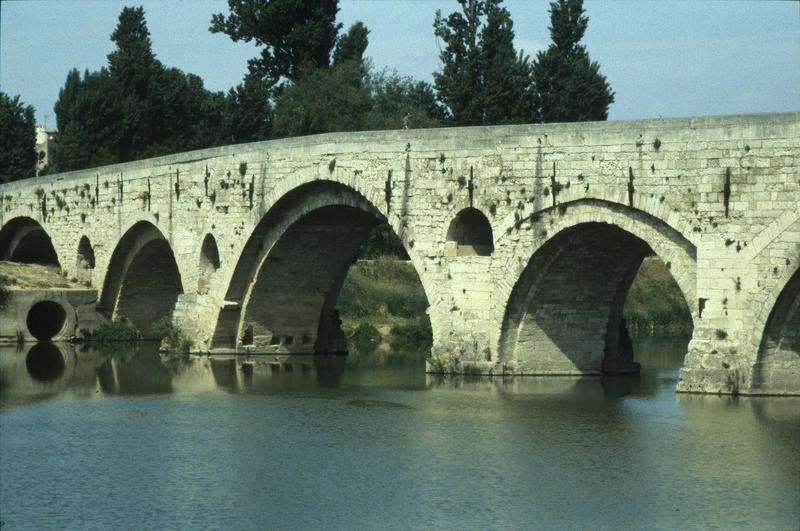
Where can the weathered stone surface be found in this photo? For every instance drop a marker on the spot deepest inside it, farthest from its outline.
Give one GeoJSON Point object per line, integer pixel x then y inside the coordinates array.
{"type": "Point", "coordinates": [247, 245]}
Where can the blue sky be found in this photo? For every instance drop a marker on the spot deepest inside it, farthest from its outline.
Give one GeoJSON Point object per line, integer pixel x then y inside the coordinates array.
{"type": "Point", "coordinates": [661, 58]}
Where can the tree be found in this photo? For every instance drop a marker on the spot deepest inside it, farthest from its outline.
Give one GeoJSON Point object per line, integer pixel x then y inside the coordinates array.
{"type": "Point", "coordinates": [136, 107]}
{"type": "Point", "coordinates": [17, 139]}
{"type": "Point", "coordinates": [352, 45]}
{"type": "Point", "coordinates": [393, 96]}
{"type": "Point", "coordinates": [506, 89]}
{"type": "Point", "coordinates": [325, 100]}
{"type": "Point", "coordinates": [248, 115]}
{"type": "Point", "coordinates": [297, 35]}
{"type": "Point", "coordinates": [483, 80]}
{"type": "Point", "coordinates": [568, 85]}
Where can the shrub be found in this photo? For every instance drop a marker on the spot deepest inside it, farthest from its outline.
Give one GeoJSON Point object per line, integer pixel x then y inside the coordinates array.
{"type": "Point", "coordinates": [172, 337]}
{"type": "Point", "coordinates": [412, 336]}
{"type": "Point", "coordinates": [116, 332]}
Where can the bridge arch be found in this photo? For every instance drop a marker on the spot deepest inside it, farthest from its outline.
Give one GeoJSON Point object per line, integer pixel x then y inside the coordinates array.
{"type": "Point", "coordinates": [471, 233]}
{"type": "Point", "coordinates": [143, 281]}
{"type": "Point", "coordinates": [23, 239]}
{"type": "Point", "coordinates": [777, 365]}
{"type": "Point", "coordinates": [283, 290]}
{"type": "Point", "coordinates": [564, 310]}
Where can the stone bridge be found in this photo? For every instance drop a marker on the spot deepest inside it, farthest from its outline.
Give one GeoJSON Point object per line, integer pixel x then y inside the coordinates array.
{"type": "Point", "coordinates": [525, 238]}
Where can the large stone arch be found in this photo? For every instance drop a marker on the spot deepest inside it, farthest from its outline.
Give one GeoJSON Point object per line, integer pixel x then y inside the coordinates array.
{"type": "Point", "coordinates": [142, 281]}
{"type": "Point", "coordinates": [568, 279]}
{"type": "Point", "coordinates": [315, 227]}
{"type": "Point", "coordinates": [23, 239]}
{"type": "Point", "coordinates": [777, 366]}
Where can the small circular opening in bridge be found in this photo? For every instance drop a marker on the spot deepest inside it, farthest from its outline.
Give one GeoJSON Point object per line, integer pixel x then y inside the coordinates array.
{"type": "Point", "coordinates": [46, 319]}
{"type": "Point", "coordinates": [45, 362]}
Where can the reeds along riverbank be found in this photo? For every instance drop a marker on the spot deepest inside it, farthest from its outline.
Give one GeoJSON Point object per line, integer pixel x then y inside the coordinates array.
{"type": "Point", "coordinates": [382, 306]}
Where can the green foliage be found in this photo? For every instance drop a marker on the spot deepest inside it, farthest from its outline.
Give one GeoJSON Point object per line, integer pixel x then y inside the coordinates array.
{"type": "Point", "coordinates": [483, 80]}
{"type": "Point", "coordinates": [172, 337]}
{"type": "Point", "coordinates": [17, 139]}
{"type": "Point", "coordinates": [248, 114]}
{"type": "Point", "coordinates": [352, 45]}
{"type": "Point", "coordinates": [325, 100]}
{"type": "Point", "coordinates": [385, 286]}
{"type": "Point", "coordinates": [116, 332]}
{"type": "Point", "coordinates": [394, 95]}
{"type": "Point", "coordinates": [366, 339]}
{"type": "Point", "coordinates": [135, 108]}
{"type": "Point", "coordinates": [297, 35]}
{"type": "Point", "coordinates": [412, 335]}
{"type": "Point", "coordinates": [568, 85]}
{"type": "Point", "coordinates": [655, 303]}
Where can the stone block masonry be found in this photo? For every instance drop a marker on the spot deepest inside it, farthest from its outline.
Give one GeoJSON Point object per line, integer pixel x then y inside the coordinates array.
{"type": "Point", "coordinates": [246, 246]}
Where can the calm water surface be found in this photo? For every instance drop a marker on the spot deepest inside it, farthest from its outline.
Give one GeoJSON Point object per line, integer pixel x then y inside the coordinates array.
{"type": "Point", "coordinates": [133, 441]}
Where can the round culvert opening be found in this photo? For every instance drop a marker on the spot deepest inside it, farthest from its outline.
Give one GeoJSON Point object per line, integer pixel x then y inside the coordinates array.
{"type": "Point", "coordinates": [45, 362]}
{"type": "Point", "coordinates": [46, 319]}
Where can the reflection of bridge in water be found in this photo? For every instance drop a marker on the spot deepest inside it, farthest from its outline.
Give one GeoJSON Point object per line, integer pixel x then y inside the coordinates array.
{"type": "Point", "coordinates": [525, 239]}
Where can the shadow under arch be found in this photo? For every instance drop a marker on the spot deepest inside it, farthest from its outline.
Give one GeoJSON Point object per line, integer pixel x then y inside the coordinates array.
{"type": "Point", "coordinates": [143, 281]}
{"type": "Point", "coordinates": [471, 233]}
{"type": "Point", "coordinates": [208, 263]}
{"type": "Point", "coordinates": [564, 312]}
{"type": "Point", "coordinates": [777, 366]}
{"type": "Point", "coordinates": [283, 291]}
{"type": "Point", "coordinates": [24, 240]}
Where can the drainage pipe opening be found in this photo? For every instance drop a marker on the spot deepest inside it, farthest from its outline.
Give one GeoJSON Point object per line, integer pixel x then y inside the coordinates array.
{"type": "Point", "coordinates": [46, 319]}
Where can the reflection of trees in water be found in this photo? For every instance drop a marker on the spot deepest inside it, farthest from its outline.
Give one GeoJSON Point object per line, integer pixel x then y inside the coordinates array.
{"type": "Point", "coordinates": [140, 372]}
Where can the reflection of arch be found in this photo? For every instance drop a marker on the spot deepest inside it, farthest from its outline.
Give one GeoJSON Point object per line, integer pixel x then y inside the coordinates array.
{"type": "Point", "coordinates": [564, 311]}
{"type": "Point", "coordinates": [286, 281]}
{"type": "Point", "coordinates": [777, 367]}
{"type": "Point", "coordinates": [471, 232]}
{"type": "Point", "coordinates": [143, 281]}
{"type": "Point", "coordinates": [24, 240]}
{"type": "Point", "coordinates": [209, 262]}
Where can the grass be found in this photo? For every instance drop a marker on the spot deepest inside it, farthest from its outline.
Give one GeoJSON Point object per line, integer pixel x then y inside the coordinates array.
{"type": "Point", "coordinates": [384, 294]}
{"type": "Point", "coordinates": [655, 304]}
{"type": "Point", "coordinates": [34, 276]}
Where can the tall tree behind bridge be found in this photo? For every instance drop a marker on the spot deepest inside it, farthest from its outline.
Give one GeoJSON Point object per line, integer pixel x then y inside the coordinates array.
{"type": "Point", "coordinates": [135, 108]}
{"type": "Point", "coordinates": [568, 85]}
{"type": "Point", "coordinates": [17, 139]}
{"type": "Point", "coordinates": [297, 35]}
{"type": "Point", "coordinates": [483, 80]}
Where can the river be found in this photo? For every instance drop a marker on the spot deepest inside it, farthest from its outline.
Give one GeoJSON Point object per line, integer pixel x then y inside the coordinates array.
{"type": "Point", "coordinates": [131, 440]}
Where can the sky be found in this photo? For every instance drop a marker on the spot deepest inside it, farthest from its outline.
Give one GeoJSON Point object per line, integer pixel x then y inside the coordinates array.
{"type": "Point", "coordinates": [662, 59]}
